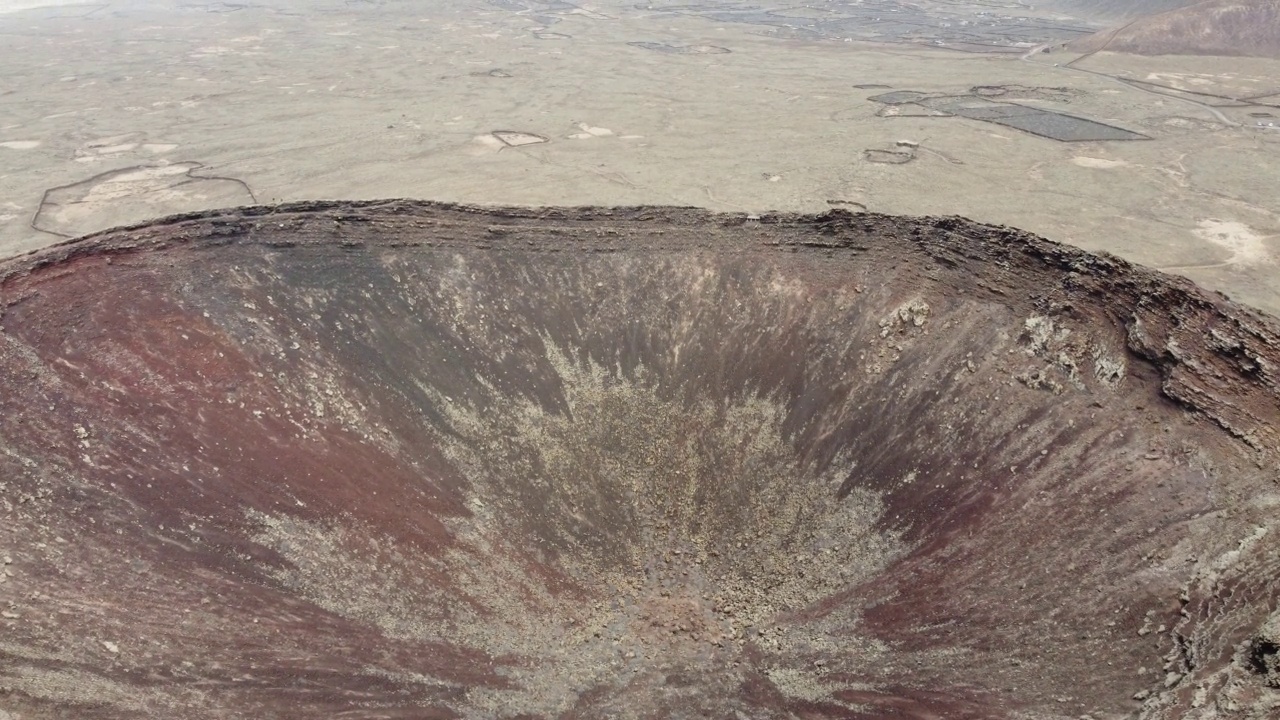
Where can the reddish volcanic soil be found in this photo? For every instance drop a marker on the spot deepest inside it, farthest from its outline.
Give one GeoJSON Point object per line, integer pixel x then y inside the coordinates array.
{"type": "Point", "coordinates": [409, 460]}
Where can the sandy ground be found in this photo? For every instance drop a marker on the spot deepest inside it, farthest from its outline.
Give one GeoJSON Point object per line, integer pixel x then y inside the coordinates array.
{"type": "Point", "coordinates": [116, 112]}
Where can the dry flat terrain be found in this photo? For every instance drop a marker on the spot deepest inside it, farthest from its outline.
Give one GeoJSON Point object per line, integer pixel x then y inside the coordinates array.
{"type": "Point", "coordinates": [117, 112]}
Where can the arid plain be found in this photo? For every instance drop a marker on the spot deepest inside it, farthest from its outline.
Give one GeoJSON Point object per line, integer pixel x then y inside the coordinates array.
{"type": "Point", "coordinates": [115, 113]}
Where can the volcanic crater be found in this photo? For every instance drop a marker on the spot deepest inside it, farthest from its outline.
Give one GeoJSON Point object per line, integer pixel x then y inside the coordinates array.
{"type": "Point", "coordinates": [401, 459]}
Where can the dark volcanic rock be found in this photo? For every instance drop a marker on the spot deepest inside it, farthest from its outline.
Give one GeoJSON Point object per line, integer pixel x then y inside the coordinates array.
{"type": "Point", "coordinates": [406, 460]}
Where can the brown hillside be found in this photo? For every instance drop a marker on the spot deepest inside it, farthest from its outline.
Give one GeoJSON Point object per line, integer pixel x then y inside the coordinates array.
{"type": "Point", "coordinates": [1215, 27]}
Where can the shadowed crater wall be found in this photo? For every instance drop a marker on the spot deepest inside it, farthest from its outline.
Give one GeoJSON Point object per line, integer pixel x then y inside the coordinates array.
{"type": "Point", "coordinates": [409, 460]}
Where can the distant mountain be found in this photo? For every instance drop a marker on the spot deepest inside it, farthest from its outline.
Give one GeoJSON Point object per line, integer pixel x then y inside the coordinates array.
{"type": "Point", "coordinates": [1109, 11]}
{"type": "Point", "coordinates": [1213, 27]}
